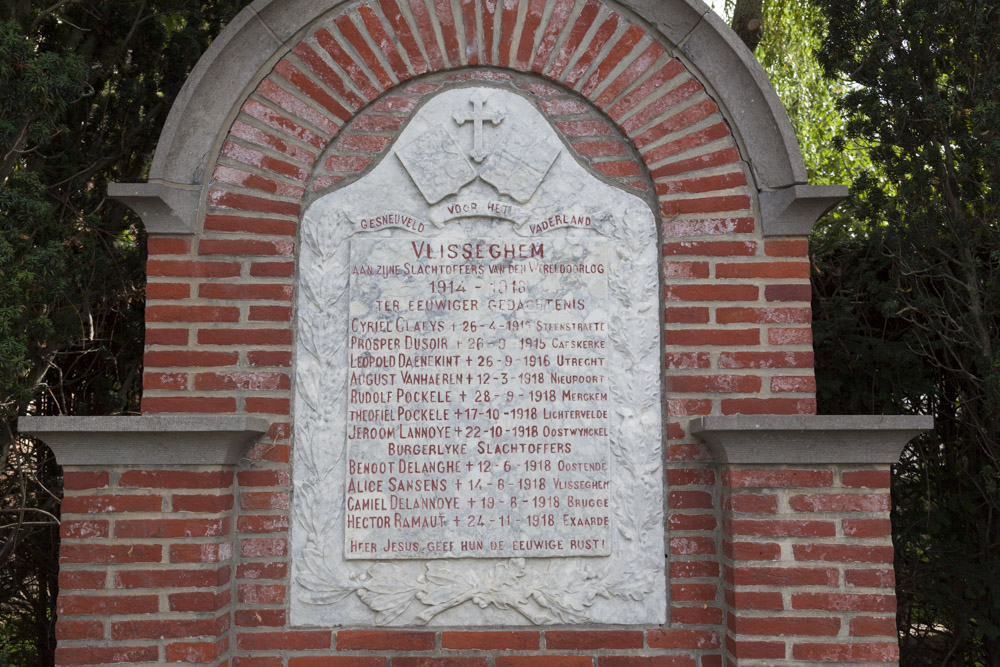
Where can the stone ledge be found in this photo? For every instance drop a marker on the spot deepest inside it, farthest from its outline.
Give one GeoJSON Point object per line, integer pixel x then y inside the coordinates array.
{"type": "Point", "coordinates": [147, 440]}
{"type": "Point", "coordinates": [794, 210]}
{"type": "Point", "coordinates": [809, 439]}
{"type": "Point", "coordinates": [165, 208]}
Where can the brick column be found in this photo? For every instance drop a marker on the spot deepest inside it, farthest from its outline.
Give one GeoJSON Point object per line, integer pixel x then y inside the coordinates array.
{"type": "Point", "coordinates": [147, 535]}
{"type": "Point", "coordinates": [807, 542]}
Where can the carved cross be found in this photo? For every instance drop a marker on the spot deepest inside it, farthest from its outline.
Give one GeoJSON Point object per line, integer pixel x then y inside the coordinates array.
{"type": "Point", "coordinates": [478, 115]}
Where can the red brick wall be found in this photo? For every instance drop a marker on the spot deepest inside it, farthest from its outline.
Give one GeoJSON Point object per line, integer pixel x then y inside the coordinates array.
{"type": "Point", "coordinates": [737, 340]}
{"type": "Point", "coordinates": [145, 566]}
{"type": "Point", "coordinates": [807, 562]}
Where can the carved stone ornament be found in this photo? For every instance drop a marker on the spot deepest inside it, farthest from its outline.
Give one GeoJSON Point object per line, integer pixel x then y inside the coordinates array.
{"type": "Point", "coordinates": [546, 196]}
{"type": "Point", "coordinates": [436, 164]}
{"type": "Point", "coordinates": [478, 99]}
{"type": "Point", "coordinates": [519, 165]}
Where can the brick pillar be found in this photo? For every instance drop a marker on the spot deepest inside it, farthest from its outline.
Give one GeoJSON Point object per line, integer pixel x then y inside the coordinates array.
{"type": "Point", "coordinates": [146, 570]}
{"type": "Point", "coordinates": [807, 541]}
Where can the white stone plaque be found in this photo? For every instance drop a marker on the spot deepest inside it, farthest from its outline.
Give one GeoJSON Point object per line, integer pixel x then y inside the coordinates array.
{"type": "Point", "coordinates": [477, 411]}
{"type": "Point", "coordinates": [477, 414]}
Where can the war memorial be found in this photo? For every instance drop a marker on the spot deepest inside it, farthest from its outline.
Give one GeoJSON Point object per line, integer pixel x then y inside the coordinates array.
{"type": "Point", "coordinates": [477, 335]}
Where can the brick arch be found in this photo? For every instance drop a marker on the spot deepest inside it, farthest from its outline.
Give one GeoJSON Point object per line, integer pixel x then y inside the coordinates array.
{"type": "Point", "coordinates": [591, 137]}
{"type": "Point", "coordinates": [726, 285]}
{"type": "Point", "coordinates": [343, 63]}
{"type": "Point", "coordinates": [344, 60]}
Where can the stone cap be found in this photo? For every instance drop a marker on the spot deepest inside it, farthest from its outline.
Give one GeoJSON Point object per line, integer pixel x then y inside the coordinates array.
{"type": "Point", "coordinates": [146, 440]}
{"type": "Point", "coordinates": [794, 210]}
{"type": "Point", "coordinates": [165, 208]}
{"type": "Point", "coordinates": [809, 439]}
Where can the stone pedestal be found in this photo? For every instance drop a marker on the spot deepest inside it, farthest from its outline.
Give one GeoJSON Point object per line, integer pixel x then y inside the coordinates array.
{"type": "Point", "coordinates": [807, 541]}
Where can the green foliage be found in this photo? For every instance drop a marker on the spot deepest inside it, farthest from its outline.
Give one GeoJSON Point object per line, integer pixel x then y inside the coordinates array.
{"type": "Point", "coordinates": [793, 31]}
{"type": "Point", "coordinates": [32, 267]}
{"type": "Point", "coordinates": [908, 297]}
{"type": "Point", "coordinates": [28, 582]}
{"type": "Point", "coordinates": [84, 90]}
{"type": "Point", "coordinates": [38, 88]}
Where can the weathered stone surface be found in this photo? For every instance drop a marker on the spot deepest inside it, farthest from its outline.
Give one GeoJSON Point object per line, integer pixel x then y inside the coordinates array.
{"type": "Point", "coordinates": [794, 210]}
{"type": "Point", "coordinates": [478, 403]}
{"type": "Point", "coordinates": [436, 164]}
{"type": "Point", "coordinates": [521, 305]}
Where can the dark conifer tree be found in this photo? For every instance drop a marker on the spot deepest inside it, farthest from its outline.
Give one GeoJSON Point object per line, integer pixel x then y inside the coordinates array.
{"type": "Point", "coordinates": [84, 89]}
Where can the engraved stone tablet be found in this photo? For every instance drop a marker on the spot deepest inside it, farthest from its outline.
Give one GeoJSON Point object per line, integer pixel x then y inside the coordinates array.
{"type": "Point", "coordinates": [478, 403]}
{"type": "Point", "coordinates": [477, 413]}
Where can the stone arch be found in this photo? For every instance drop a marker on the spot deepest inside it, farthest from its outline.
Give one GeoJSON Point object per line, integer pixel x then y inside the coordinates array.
{"type": "Point", "coordinates": [268, 31]}
{"type": "Point", "coordinates": [304, 99]}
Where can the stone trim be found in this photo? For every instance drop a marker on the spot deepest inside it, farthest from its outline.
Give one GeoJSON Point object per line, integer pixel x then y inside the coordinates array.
{"type": "Point", "coordinates": [165, 208]}
{"type": "Point", "coordinates": [809, 439]}
{"type": "Point", "coordinates": [215, 86]}
{"type": "Point", "coordinates": [146, 440]}
{"type": "Point", "coordinates": [743, 89]}
{"type": "Point", "coordinates": [794, 210]}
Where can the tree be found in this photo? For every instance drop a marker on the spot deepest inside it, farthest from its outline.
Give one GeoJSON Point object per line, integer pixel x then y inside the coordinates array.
{"type": "Point", "coordinates": [748, 21]}
{"type": "Point", "coordinates": [906, 292]}
{"type": "Point", "coordinates": [84, 90]}
{"type": "Point", "coordinates": [785, 44]}
{"type": "Point", "coordinates": [913, 284]}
